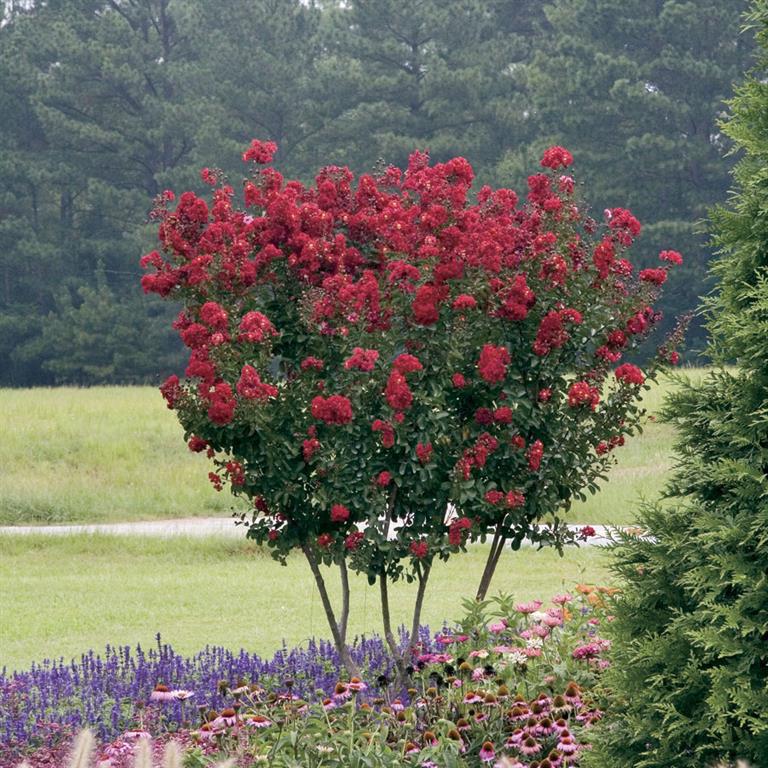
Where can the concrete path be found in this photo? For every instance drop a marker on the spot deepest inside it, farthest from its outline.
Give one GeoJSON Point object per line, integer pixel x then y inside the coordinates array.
{"type": "Point", "coordinates": [192, 526]}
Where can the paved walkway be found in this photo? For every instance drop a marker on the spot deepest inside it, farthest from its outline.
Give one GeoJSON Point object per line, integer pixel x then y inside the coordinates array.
{"type": "Point", "coordinates": [191, 526]}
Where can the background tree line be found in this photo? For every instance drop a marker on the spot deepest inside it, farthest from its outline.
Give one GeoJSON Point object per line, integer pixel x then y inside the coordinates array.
{"type": "Point", "coordinates": [105, 103]}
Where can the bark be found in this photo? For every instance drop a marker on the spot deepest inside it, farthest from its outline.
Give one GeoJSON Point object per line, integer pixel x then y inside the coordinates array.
{"type": "Point", "coordinates": [423, 578]}
{"type": "Point", "coordinates": [497, 547]}
{"type": "Point", "coordinates": [338, 640]}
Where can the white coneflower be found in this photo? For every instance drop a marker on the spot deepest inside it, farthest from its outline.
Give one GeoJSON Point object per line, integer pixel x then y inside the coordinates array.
{"type": "Point", "coordinates": [82, 750]}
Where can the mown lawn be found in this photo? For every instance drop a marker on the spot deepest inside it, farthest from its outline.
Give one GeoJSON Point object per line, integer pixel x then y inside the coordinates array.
{"type": "Point", "coordinates": [62, 596]}
{"type": "Point", "coordinates": [110, 454]}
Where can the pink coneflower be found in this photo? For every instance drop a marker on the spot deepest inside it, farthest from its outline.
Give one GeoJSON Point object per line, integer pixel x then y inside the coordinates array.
{"type": "Point", "coordinates": [472, 698]}
{"type": "Point", "coordinates": [567, 745]}
{"type": "Point", "coordinates": [515, 738]}
{"type": "Point", "coordinates": [480, 717]}
{"type": "Point", "coordinates": [562, 599]}
{"type": "Point", "coordinates": [411, 748]}
{"type": "Point", "coordinates": [397, 706]}
{"type": "Point", "coordinates": [228, 717]}
{"type": "Point", "coordinates": [258, 721]}
{"type": "Point", "coordinates": [136, 735]}
{"type": "Point", "coordinates": [545, 727]}
{"type": "Point", "coordinates": [341, 692]}
{"type": "Point", "coordinates": [478, 674]}
{"type": "Point", "coordinates": [487, 752]}
{"type": "Point", "coordinates": [462, 724]}
{"type": "Point", "coordinates": [529, 607]}
{"type": "Point", "coordinates": [529, 746]}
{"type": "Point", "coordinates": [328, 704]}
{"type": "Point", "coordinates": [207, 731]}
{"type": "Point", "coordinates": [161, 693]}
{"type": "Point", "coordinates": [356, 684]}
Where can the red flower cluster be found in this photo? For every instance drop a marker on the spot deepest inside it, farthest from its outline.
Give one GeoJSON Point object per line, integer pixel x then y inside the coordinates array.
{"type": "Point", "coordinates": [673, 257]}
{"type": "Point", "coordinates": [456, 530]}
{"type": "Point", "coordinates": [221, 404]}
{"type": "Point", "coordinates": [339, 513]}
{"type": "Point", "coordinates": [362, 359]}
{"type": "Point", "coordinates": [251, 387]}
{"type": "Point", "coordinates": [630, 374]}
{"type": "Point", "coordinates": [534, 455]}
{"type": "Point", "coordinates": [255, 327]}
{"type": "Point", "coordinates": [260, 152]}
{"type": "Point", "coordinates": [656, 276]}
{"type": "Point", "coordinates": [335, 409]}
{"type": "Point", "coordinates": [406, 364]}
{"type": "Point", "coordinates": [383, 479]}
{"type": "Point", "coordinates": [493, 362]}
{"type": "Point", "coordinates": [419, 549]}
{"type": "Point", "coordinates": [398, 393]}
{"type": "Point", "coordinates": [387, 432]}
{"type": "Point", "coordinates": [581, 393]}
{"type": "Point", "coordinates": [424, 452]}
{"type": "Point", "coordinates": [556, 157]}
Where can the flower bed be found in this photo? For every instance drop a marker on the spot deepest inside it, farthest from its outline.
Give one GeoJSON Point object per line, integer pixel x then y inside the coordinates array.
{"type": "Point", "coordinates": [509, 681]}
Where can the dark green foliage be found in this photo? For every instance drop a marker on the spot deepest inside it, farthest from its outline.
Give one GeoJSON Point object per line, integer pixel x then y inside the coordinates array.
{"type": "Point", "coordinates": [689, 683]}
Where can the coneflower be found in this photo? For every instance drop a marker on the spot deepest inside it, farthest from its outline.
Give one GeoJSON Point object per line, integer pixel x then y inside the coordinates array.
{"type": "Point", "coordinates": [487, 752]}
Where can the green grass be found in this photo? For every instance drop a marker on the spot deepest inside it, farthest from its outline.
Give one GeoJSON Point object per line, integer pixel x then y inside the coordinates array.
{"type": "Point", "coordinates": [98, 455]}
{"type": "Point", "coordinates": [65, 595]}
{"type": "Point", "coordinates": [110, 454]}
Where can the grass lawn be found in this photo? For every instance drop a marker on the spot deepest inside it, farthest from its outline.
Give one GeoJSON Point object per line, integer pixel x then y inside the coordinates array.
{"type": "Point", "coordinates": [110, 454]}
{"type": "Point", "coordinates": [65, 595]}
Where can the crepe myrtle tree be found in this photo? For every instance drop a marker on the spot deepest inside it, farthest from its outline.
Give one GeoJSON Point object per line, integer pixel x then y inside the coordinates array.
{"type": "Point", "coordinates": [387, 370]}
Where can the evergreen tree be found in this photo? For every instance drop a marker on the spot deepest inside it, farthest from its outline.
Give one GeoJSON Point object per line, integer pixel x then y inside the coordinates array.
{"type": "Point", "coordinates": [689, 682]}
{"type": "Point", "coordinates": [635, 89]}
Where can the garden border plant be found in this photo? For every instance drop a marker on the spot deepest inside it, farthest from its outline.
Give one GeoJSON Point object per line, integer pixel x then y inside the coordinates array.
{"type": "Point", "coordinates": [387, 370]}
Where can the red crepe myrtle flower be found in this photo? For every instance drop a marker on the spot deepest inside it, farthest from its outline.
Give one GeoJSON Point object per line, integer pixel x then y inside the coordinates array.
{"type": "Point", "coordinates": [387, 432]}
{"type": "Point", "coordinates": [260, 152]}
{"type": "Point", "coordinates": [493, 363]}
{"type": "Point", "coordinates": [484, 416]}
{"type": "Point", "coordinates": [424, 452]}
{"type": "Point", "coordinates": [503, 415]}
{"type": "Point", "coordinates": [514, 499]}
{"type": "Point", "coordinates": [458, 381]}
{"type": "Point", "coordinates": [655, 276]}
{"type": "Point", "coordinates": [236, 473]}
{"type": "Point", "coordinates": [586, 532]}
{"type": "Point", "coordinates": [222, 404]}
{"type": "Point", "coordinates": [214, 316]}
{"type": "Point", "coordinates": [251, 387]}
{"type": "Point", "coordinates": [312, 363]}
{"type": "Point", "coordinates": [335, 409]}
{"type": "Point", "coordinates": [673, 358]}
{"type": "Point", "coordinates": [255, 327]}
{"type": "Point", "coordinates": [352, 540]}
{"type": "Point", "coordinates": [534, 455]}
{"type": "Point", "coordinates": [324, 540]}
{"type": "Point", "coordinates": [545, 395]}
{"type": "Point", "coordinates": [556, 157]}
{"type": "Point", "coordinates": [629, 374]}
{"type": "Point", "coordinates": [602, 448]}
{"type": "Point", "coordinates": [493, 497]}
{"type": "Point", "coordinates": [362, 359]}
{"type": "Point", "coordinates": [464, 301]}
{"type": "Point", "coordinates": [419, 549]}
{"type": "Point", "coordinates": [339, 513]}
{"type": "Point", "coordinates": [197, 444]}
{"type": "Point", "coordinates": [383, 479]}
{"type": "Point", "coordinates": [425, 309]}
{"type": "Point", "coordinates": [216, 481]}
{"type": "Point", "coordinates": [171, 390]}
{"type": "Point", "coordinates": [310, 447]}
{"type": "Point", "coordinates": [673, 257]}
{"type": "Point", "coordinates": [456, 530]}
{"type": "Point", "coordinates": [406, 364]}
{"type": "Point", "coordinates": [398, 393]}
{"type": "Point", "coordinates": [581, 393]}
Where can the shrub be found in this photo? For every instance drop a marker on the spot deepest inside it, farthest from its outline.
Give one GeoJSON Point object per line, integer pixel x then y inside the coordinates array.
{"type": "Point", "coordinates": [690, 680]}
{"type": "Point", "coordinates": [387, 371]}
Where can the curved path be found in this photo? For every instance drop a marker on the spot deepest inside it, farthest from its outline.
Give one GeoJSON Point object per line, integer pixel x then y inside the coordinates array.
{"type": "Point", "coordinates": [192, 526]}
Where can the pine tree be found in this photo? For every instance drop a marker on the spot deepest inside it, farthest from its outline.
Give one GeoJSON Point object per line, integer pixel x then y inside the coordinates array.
{"type": "Point", "coordinates": [635, 89]}
{"type": "Point", "coordinates": [689, 683]}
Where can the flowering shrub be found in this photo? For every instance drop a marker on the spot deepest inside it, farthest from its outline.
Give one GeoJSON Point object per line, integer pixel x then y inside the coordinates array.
{"type": "Point", "coordinates": [510, 679]}
{"type": "Point", "coordinates": [438, 368]}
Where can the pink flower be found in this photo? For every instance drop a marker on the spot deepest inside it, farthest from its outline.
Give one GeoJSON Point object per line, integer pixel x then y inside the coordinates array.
{"type": "Point", "coordinates": [529, 607]}
{"type": "Point", "coordinates": [487, 752]}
